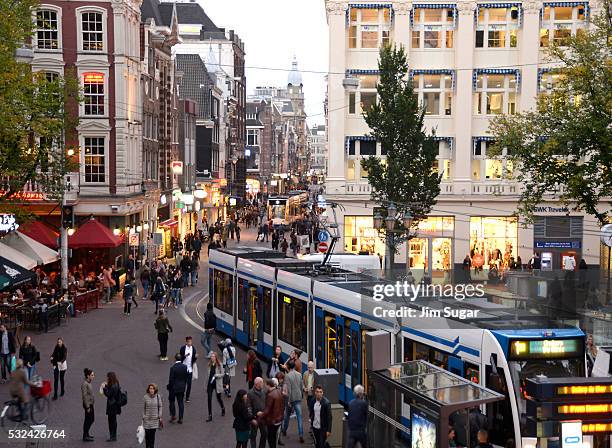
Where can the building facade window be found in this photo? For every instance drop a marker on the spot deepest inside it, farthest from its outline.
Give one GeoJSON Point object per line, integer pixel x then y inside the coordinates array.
{"type": "Point", "coordinates": [434, 93]}
{"type": "Point", "coordinates": [361, 236]}
{"type": "Point", "coordinates": [560, 23]}
{"type": "Point", "coordinates": [549, 81]}
{"type": "Point", "coordinates": [93, 94]}
{"type": "Point", "coordinates": [94, 159]}
{"type": "Point", "coordinates": [47, 29]}
{"type": "Point", "coordinates": [495, 94]}
{"type": "Point", "coordinates": [433, 28]}
{"type": "Point", "coordinates": [365, 95]}
{"type": "Point", "coordinates": [358, 149]}
{"type": "Point", "coordinates": [252, 137]}
{"type": "Point", "coordinates": [497, 27]}
{"type": "Point", "coordinates": [369, 28]}
{"type": "Point", "coordinates": [487, 167]}
{"type": "Point", "coordinates": [92, 29]}
{"type": "Point", "coordinates": [494, 238]}
{"type": "Point", "coordinates": [444, 160]}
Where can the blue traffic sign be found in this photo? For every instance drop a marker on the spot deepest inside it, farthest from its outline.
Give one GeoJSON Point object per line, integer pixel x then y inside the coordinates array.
{"type": "Point", "coordinates": [323, 236]}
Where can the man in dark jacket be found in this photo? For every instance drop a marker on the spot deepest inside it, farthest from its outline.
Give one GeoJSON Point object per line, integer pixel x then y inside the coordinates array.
{"type": "Point", "coordinates": [257, 401]}
{"type": "Point", "coordinates": [186, 269]}
{"type": "Point", "coordinates": [272, 415]}
{"type": "Point", "coordinates": [188, 357]}
{"type": "Point", "coordinates": [176, 388]}
{"type": "Point", "coordinates": [210, 323]}
{"type": "Point", "coordinates": [321, 417]}
{"type": "Point", "coordinates": [358, 419]}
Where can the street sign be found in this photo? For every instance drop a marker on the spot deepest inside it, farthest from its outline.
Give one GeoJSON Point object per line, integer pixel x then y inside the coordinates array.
{"type": "Point", "coordinates": [323, 236]}
{"type": "Point", "coordinates": [571, 434]}
{"type": "Point", "coordinates": [134, 239]}
{"type": "Point", "coordinates": [177, 167]}
{"type": "Point", "coordinates": [323, 247]}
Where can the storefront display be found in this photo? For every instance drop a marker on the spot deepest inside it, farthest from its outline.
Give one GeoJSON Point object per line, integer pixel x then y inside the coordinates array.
{"type": "Point", "coordinates": [360, 236]}
{"type": "Point", "coordinates": [431, 249]}
{"type": "Point", "coordinates": [495, 238]}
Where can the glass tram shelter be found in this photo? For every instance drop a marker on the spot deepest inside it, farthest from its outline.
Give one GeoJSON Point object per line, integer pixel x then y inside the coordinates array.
{"type": "Point", "coordinates": [412, 403]}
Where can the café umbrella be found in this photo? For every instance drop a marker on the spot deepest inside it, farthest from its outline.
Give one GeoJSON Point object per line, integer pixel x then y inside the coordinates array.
{"type": "Point", "coordinates": [11, 274]}
{"type": "Point", "coordinates": [30, 248]}
{"type": "Point", "coordinates": [18, 258]}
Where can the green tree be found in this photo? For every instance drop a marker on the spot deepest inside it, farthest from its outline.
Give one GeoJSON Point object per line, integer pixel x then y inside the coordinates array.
{"type": "Point", "coordinates": [33, 115]}
{"type": "Point", "coordinates": [564, 145]}
{"type": "Point", "coordinates": [407, 177]}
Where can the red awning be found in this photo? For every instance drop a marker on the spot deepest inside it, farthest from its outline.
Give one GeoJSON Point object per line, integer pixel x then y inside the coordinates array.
{"type": "Point", "coordinates": [41, 233]}
{"type": "Point", "coordinates": [93, 235]}
{"type": "Point", "coordinates": [168, 223]}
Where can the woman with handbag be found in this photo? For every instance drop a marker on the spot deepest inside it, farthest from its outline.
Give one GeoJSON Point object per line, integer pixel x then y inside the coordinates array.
{"type": "Point", "coordinates": [152, 415]}
{"type": "Point", "coordinates": [230, 363]}
{"type": "Point", "coordinates": [58, 360]}
{"type": "Point", "coordinates": [112, 391]}
{"type": "Point", "coordinates": [243, 416]}
{"type": "Point", "coordinates": [214, 384]}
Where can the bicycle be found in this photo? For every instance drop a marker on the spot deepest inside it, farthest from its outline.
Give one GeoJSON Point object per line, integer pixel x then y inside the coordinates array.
{"type": "Point", "coordinates": [37, 409]}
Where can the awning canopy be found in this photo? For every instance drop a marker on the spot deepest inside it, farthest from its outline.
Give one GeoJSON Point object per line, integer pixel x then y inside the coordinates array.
{"type": "Point", "coordinates": [12, 274]}
{"type": "Point", "coordinates": [168, 223]}
{"type": "Point", "coordinates": [17, 257]}
{"type": "Point", "coordinates": [41, 233]}
{"type": "Point", "coordinates": [93, 235]}
{"type": "Point", "coordinates": [31, 248]}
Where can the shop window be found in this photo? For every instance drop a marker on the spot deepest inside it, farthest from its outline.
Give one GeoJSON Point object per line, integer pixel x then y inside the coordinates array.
{"type": "Point", "coordinates": [369, 28]}
{"type": "Point", "coordinates": [495, 94]}
{"type": "Point", "coordinates": [360, 235]}
{"type": "Point", "coordinates": [433, 28]}
{"type": "Point", "coordinates": [497, 27]}
{"type": "Point", "coordinates": [560, 23]}
{"type": "Point", "coordinates": [293, 319]}
{"type": "Point", "coordinates": [224, 291]}
{"type": "Point", "coordinates": [495, 238]}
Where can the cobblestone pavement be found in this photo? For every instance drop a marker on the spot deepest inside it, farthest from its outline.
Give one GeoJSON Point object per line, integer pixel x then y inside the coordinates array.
{"type": "Point", "coordinates": [106, 340]}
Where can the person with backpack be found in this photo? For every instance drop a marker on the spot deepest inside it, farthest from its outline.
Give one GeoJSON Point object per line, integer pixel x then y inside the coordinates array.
{"type": "Point", "coordinates": [115, 400]}
{"type": "Point", "coordinates": [159, 292]}
{"type": "Point", "coordinates": [229, 364]}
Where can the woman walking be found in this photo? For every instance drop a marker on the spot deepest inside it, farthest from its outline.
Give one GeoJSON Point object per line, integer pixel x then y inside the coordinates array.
{"type": "Point", "coordinates": [112, 391]}
{"type": "Point", "coordinates": [29, 355]}
{"type": "Point", "coordinates": [229, 363]}
{"type": "Point", "coordinates": [152, 414]}
{"type": "Point", "coordinates": [253, 368]}
{"type": "Point", "coordinates": [58, 360]}
{"type": "Point", "coordinates": [242, 418]}
{"type": "Point", "coordinates": [215, 383]}
{"type": "Point", "coordinates": [163, 327]}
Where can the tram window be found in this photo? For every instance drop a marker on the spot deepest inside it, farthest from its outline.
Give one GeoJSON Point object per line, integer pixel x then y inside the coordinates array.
{"type": "Point", "coordinates": [439, 359]}
{"type": "Point", "coordinates": [421, 352]}
{"type": "Point", "coordinates": [472, 373]}
{"type": "Point", "coordinates": [408, 350]}
{"type": "Point", "coordinates": [224, 288]}
{"type": "Point", "coordinates": [267, 310]}
{"type": "Point", "coordinates": [293, 317]}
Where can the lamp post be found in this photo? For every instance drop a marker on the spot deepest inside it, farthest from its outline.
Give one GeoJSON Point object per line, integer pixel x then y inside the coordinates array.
{"type": "Point", "coordinates": [388, 224]}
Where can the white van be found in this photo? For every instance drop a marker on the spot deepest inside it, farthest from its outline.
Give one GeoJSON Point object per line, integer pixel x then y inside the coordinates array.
{"type": "Point", "coordinates": [348, 261]}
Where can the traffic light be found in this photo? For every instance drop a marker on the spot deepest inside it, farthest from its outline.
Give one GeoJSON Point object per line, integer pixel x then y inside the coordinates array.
{"type": "Point", "coordinates": [67, 216]}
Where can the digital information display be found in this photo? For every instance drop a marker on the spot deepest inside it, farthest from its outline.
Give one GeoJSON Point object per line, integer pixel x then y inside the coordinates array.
{"type": "Point", "coordinates": [545, 348]}
{"type": "Point", "coordinates": [587, 389]}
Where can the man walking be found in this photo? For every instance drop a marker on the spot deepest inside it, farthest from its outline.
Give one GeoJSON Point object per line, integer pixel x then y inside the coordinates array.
{"type": "Point", "coordinates": [128, 295]}
{"type": "Point", "coordinates": [176, 388]}
{"type": "Point", "coordinates": [88, 398]}
{"type": "Point", "coordinates": [188, 357]}
{"type": "Point", "coordinates": [358, 419]}
{"type": "Point", "coordinates": [321, 418]}
{"type": "Point", "coordinates": [186, 269]}
{"type": "Point", "coordinates": [210, 323]}
{"type": "Point", "coordinates": [293, 382]}
{"type": "Point", "coordinates": [257, 401]}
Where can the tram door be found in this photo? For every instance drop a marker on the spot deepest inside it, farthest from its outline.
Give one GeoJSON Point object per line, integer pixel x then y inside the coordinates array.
{"type": "Point", "coordinates": [320, 332]}
{"type": "Point", "coordinates": [353, 358]}
{"type": "Point", "coordinates": [249, 310]}
{"type": "Point", "coordinates": [340, 358]}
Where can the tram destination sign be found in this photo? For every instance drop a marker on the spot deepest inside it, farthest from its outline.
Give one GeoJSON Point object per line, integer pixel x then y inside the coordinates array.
{"type": "Point", "coordinates": [521, 349]}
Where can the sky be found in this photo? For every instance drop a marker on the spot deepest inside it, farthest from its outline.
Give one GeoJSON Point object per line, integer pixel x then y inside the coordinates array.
{"type": "Point", "coordinates": [273, 31]}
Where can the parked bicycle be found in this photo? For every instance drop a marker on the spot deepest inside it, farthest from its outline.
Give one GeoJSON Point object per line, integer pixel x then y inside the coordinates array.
{"type": "Point", "coordinates": [36, 410]}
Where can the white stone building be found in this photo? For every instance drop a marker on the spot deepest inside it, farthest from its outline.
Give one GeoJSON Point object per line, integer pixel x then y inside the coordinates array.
{"type": "Point", "coordinates": [469, 61]}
